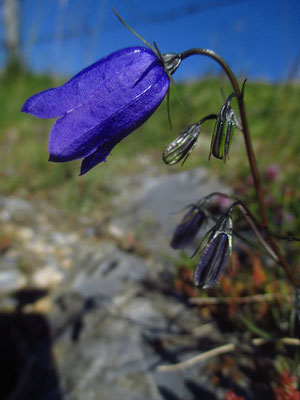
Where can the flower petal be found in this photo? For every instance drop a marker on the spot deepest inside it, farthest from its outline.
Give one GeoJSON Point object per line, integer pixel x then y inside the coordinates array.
{"type": "Point", "coordinates": [110, 116]}
{"type": "Point", "coordinates": [98, 156]}
{"type": "Point", "coordinates": [98, 77]}
{"type": "Point", "coordinates": [212, 262]}
{"type": "Point", "coordinates": [120, 125]}
{"type": "Point", "coordinates": [188, 228]}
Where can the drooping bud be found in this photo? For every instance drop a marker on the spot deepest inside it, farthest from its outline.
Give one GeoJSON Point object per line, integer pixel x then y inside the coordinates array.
{"type": "Point", "coordinates": [188, 227]}
{"type": "Point", "coordinates": [215, 254]}
{"type": "Point", "coordinates": [182, 146]}
{"type": "Point", "coordinates": [222, 136]}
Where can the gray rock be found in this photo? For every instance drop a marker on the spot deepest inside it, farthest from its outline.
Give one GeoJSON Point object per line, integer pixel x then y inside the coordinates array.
{"type": "Point", "coordinates": [105, 270]}
{"type": "Point", "coordinates": [151, 212]}
{"type": "Point", "coordinates": [11, 280]}
{"type": "Point", "coordinates": [110, 320]}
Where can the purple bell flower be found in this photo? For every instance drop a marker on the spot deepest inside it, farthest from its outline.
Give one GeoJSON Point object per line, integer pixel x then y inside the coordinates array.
{"type": "Point", "coordinates": [188, 227]}
{"type": "Point", "coordinates": [215, 254]}
{"type": "Point", "coordinates": [103, 104]}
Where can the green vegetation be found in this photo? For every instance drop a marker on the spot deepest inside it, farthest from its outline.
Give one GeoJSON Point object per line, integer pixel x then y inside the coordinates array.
{"type": "Point", "coordinates": [273, 116]}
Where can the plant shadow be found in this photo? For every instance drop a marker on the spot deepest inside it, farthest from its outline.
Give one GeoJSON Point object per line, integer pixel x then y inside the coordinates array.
{"type": "Point", "coordinates": [27, 367]}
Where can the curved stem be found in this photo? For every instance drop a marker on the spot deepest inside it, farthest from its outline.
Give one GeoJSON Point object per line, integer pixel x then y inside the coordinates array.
{"type": "Point", "coordinates": [250, 153]}
{"type": "Point", "coordinates": [219, 60]}
{"type": "Point", "coordinates": [288, 238]}
{"type": "Point", "coordinates": [246, 133]}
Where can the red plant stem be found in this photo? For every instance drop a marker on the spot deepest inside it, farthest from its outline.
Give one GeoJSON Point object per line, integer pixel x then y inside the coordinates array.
{"type": "Point", "coordinates": [250, 153]}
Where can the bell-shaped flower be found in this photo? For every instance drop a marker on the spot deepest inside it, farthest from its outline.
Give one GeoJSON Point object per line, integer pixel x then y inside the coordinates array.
{"type": "Point", "coordinates": [222, 136]}
{"type": "Point", "coordinates": [215, 254]}
{"type": "Point", "coordinates": [102, 104]}
{"type": "Point", "coordinates": [188, 227]}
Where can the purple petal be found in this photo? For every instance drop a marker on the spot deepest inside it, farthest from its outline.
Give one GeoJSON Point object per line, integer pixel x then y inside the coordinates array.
{"type": "Point", "coordinates": [188, 228]}
{"type": "Point", "coordinates": [126, 101]}
{"type": "Point", "coordinates": [118, 126]}
{"type": "Point", "coordinates": [98, 156]}
{"type": "Point", "coordinates": [212, 262]}
{"type": "Point", "coordinates": [86, 85]}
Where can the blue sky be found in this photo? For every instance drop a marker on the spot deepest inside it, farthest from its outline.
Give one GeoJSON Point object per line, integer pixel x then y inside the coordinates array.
{"type": "Point", "coordinates": [258, 38]}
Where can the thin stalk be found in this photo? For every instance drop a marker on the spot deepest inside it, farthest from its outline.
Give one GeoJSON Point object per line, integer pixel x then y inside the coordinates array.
{"type": "Point", "coordinates": [247, 138]}
{"type": "Point", "coordinates": [250, 153]}
{"type": "Point", "coordinates": [257, 223]}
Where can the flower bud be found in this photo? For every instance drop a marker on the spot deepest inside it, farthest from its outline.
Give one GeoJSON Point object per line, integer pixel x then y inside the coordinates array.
{"type": "Point", "coordinates": [181, 147]}
{"type": "Point", "coordinates": [188, 227]}
{"type": "Point", "coordinates": [215, 254]}
{"type": "Point", "coordinates": [222, 136]}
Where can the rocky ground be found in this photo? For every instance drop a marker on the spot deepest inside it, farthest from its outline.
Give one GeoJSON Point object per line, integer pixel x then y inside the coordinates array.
{"type": "Point", "coordinates": [87, 307]}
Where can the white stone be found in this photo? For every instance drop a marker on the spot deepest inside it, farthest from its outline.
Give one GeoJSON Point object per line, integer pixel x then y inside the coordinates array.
{"type": "Point", "coordinates": [47, 277]}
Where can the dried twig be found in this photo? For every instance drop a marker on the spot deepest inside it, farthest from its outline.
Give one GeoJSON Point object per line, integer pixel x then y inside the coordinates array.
{"type": "Point", "coordinates": [256, 298]}
{"type": "Point", "coordinates": [226, 348]}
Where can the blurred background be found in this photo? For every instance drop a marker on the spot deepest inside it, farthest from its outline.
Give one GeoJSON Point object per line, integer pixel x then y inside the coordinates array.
{"type": "Point", "coordinates": [50, 41]}
{"type": "Point", "coordinates": [60, 234]}
{"type": "Point", "coordinates": [259, 39]}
